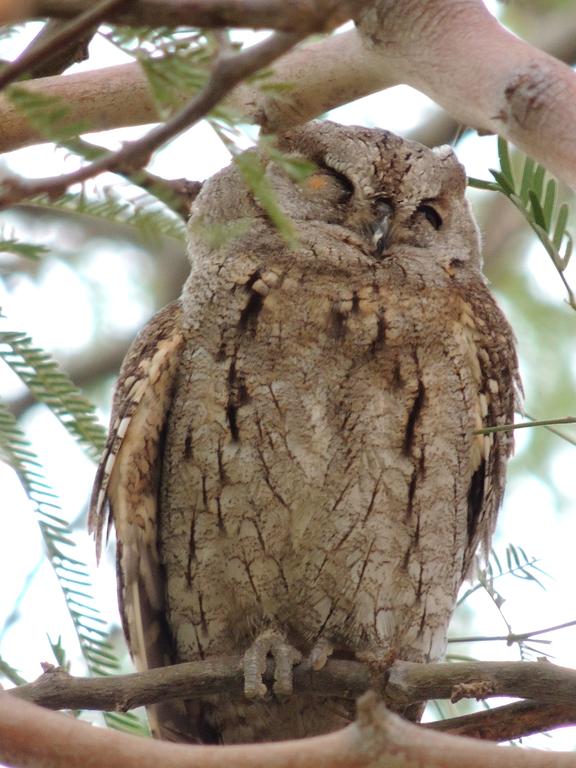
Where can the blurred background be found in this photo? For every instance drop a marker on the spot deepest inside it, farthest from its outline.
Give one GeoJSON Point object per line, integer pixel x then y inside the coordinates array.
{"type": "Point", "coordinates": [109, 255]}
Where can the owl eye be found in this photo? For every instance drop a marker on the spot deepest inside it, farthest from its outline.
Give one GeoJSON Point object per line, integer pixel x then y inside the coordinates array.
{"type": "Point", "coordinates": [430, 214]}
{"type": "Point", "coordinates": [345, 185]}
{"type": "Point", "coordinates": [330, 184]}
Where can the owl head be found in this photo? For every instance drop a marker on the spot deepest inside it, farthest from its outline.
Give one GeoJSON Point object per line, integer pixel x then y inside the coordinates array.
{"type": "Point", "coordinates": [389, 198]}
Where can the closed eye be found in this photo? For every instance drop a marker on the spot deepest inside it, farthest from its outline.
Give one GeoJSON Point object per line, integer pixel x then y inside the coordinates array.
{"type": "Point", "coordinates": [430, 214]}
{"type": "Point", "coordinates": [343, 181]}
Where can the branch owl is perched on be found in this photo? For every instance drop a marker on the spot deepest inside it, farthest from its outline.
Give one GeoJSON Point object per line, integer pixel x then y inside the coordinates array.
{"type": "Point", "coordinates": [293, 467]}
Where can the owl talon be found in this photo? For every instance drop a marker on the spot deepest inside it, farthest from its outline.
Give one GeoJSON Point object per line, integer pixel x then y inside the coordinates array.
{"type": "Point", "coordinates": [285, 657]}
{"type": "Point", "coordinates": [320, 654]}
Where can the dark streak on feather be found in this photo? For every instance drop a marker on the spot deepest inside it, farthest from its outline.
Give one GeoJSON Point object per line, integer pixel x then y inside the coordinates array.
{"type": "Point", "coordinates": [476, 498]}
{"type": "Point", "coordinates": [188, 444]}
{"type": "Point", "coordinates": [412, 419]}
{"type": "Point", "coordinates": [380, 338]}
{"type": "Point", "coordinates": [191, 550]}
{"type": "Point", "coordinates": [336, 328]}
{"type": "Point", "coordinates": [249, 315]}
{"type": "Point", "coordinates": [231, 416]}
{"type": "Point", "coordinates": [219, 513]}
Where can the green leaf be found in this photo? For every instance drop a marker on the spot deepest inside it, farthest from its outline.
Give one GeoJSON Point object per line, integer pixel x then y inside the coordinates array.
{"type": "Point", "coordinates": [502, 182]}
{"type": "Point", "coordinates": [537, 211]}
{"type": "Point", "coordinates": [526, 183]}
{"type": "Point", "coordinates": [18, 248]}
{"type": "Point", "coordinates": [550, 202]}
{"type": "Point", "coordinates": [49, 115]}
{"type": "Point", "coordinates": [560, 228]}
{"type": "Point", "coordinates": [59, 652]}
{"type": "Point", "coordinates": [505, 164]}
{"type": "Point", "coordinates": [297, 168]}
{"type": "Point", "coordinates": [254, 174]}
{"type": "Point", "coordinates": [10, 673]}
{"type": "Point", "coordinates": [176, 77]}
{"type": "Point", "coordinates": [537, 185]}
{"type": "Point", "coordinates": [482, 184]}
{"type": "Point", "coordinates": [97, 651]}
{"type": "Point", "coordinates": [565, 258]}
{"type": "Point", "coordinates": [53, 387]}
{"type": "Point", "coordinates": [150, 218]}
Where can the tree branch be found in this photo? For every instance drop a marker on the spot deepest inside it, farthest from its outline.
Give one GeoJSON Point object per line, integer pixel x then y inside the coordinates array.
{"type": "Point", "coordinates": [226, 73]}
{"type": "Point", "coordinates": [519, 637]}
{"type": "Point", "coordinates": [75, 51]}
{"type": "Point", "coordinates": [512, 721]}
{"type": "Point", "coordinates": [298, 16]}
{"type": "Point", "coordinates": [31, 737]}
{"type": "Point", "coordinates": [55, 43]}
{"type": "Point", "coordinates": [322, 76]}
{"type": "Point", "coordinates": [402, 684]}
{"type": "Point", "coordinates": [452, 50]}
{"type": "Point", "coordinates": [458, 54]}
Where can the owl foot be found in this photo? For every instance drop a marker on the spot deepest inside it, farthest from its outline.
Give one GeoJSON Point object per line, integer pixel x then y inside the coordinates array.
{"type": "Point", "coordinates": [320, 654]}
{"type": "Point", "coordinates": [272, 642]}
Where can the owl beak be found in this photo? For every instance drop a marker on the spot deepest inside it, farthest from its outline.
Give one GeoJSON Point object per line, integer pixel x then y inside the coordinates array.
{"type": "Point", "coordinates": [381, 235]}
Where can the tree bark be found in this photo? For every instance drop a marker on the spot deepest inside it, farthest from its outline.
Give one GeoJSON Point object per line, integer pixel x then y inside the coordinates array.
{"type": "Point", "coordinates": [31, 737]}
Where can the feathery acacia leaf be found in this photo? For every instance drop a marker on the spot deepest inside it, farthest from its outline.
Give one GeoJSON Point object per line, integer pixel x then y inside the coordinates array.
{"type": "Point", "coordinates": [49, 115]}
{"type": "Point", "coordinates": [19, 248]}
{"type": "Point", "coordinates": [148, 217]}
{"type": "Point", "coordinates": [536, 199]}
{"type": "Point", "coordinates": [99, 654]}
{"type": "Point", "coordinates": [51, 386]}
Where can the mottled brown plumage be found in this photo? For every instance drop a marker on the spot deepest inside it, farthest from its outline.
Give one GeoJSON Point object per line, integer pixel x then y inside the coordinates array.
{"type": "Point", "coordinates": [293, 466]}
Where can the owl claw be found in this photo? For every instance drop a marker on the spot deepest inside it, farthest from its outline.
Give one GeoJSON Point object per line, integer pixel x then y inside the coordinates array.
{"type": "Point", "coordinates": [320, 654]}
{"type": "Point", "coordinates": [285, 657]}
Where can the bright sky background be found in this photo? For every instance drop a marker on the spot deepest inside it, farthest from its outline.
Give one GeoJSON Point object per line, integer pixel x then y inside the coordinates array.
{"type": "Point", "coordinates": [530, 516]}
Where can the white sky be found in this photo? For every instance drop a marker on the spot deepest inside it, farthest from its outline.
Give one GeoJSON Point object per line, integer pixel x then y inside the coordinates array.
{"type": "Point", "coordinates": [530, 516]}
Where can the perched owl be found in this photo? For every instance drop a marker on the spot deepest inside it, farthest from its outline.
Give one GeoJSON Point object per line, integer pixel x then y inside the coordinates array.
{"type": "Point", "coordinates": [294, 467]}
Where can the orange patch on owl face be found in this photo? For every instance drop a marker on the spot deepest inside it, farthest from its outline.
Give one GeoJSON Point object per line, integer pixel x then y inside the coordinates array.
{"type": "Point", "coordinates": [316, 183]}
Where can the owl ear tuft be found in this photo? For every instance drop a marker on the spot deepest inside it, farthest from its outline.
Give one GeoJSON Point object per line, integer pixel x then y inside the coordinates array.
{"type": "Point", "coordinates": [444, 152]}
{"type": "Point", "coordinates": [453, 166]}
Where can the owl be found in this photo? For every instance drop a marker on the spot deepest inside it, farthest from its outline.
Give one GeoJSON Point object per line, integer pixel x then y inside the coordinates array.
{"type": "Point", "coordinates": [296, 467]}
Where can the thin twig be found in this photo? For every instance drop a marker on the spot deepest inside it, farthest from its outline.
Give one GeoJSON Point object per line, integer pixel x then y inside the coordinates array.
{"type": "Point", "coordinates": [55, 43]}
{"type": "Point", "coordinates": [554, 431]}
{"type": "Point", "coordinates": [176, 194]}
{"type": "Point", "coordinates": [512, 637]}
{"type": "Point", "coordinates": [226, 73]}
{"type": "Point", "coordinates": [59, 60]}
{"type": "Point", "coordinates": [524, 425]}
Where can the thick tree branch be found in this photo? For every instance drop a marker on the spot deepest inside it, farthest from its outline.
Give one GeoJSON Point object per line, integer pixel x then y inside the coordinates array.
{"type": "Point", "coordinates": [297, 16]}
{"type": "Point", "coordinates": [227, 72]}
{"type": "Point", "coordinates": [31, 737]}
{"type": "Point", "coordinates": [457, 53]}
{"type": "Point", "coordinates": [452, 50]}
{"type": "Point", "coordinates": [322, 76]}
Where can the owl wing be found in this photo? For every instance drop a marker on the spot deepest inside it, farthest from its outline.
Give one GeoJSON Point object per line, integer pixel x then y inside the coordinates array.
{"type": "Point", "coordinates": [494, 363]}
{"type": "Point", "coordinates": [126, 490]}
